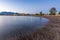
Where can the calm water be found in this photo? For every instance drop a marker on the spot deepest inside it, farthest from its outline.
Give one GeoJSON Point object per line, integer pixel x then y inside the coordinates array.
{"type": "Point", "coordinates": [24, 24]}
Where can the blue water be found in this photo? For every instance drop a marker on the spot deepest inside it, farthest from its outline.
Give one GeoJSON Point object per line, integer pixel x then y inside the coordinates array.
{"type": "Point", "coordinates": [24, 24]}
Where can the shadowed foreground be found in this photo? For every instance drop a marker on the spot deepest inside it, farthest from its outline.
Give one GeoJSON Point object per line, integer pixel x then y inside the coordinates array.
{"type": "Point", "coordinates": [51, 31]}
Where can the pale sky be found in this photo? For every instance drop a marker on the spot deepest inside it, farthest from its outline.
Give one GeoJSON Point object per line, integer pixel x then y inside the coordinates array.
{"type": "Point", "coordinates": [28, 6]}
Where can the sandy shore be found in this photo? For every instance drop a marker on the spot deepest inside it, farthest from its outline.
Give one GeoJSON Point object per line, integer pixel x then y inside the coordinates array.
{"type": "Point", "coordinates": [51, 31]}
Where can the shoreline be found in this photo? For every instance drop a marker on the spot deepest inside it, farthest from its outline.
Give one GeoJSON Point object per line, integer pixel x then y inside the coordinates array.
{"type": "Point", "coordinates": [51, 31]}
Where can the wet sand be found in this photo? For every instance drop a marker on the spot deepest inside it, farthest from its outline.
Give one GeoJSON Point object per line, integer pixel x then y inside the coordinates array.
{"type": "Point", "coordinates": [51, 31]}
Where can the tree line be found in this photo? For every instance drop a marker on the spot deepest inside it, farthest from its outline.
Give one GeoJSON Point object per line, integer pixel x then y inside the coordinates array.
{"type": "Point", "coordinates": [52, 11]}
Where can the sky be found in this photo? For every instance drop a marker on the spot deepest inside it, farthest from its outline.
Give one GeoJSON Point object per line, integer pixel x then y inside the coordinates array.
{"type": "Point", "coordinates": [29, 6]}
